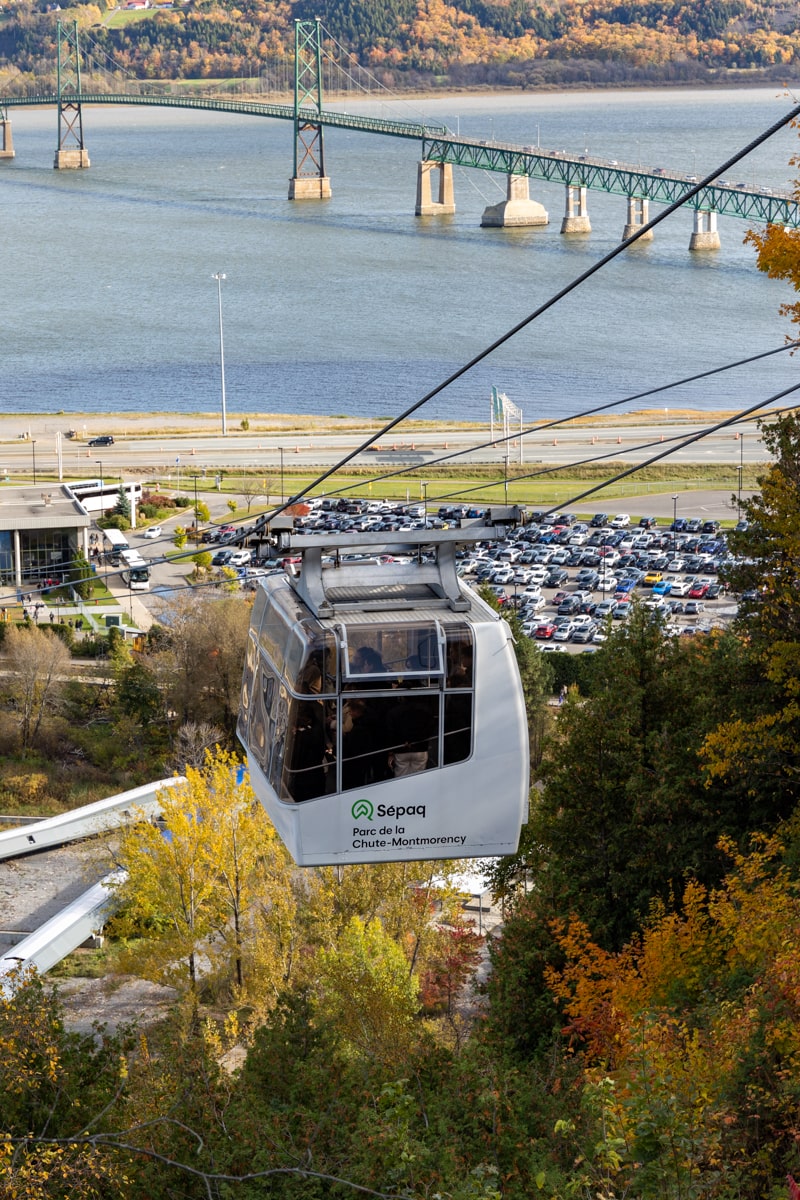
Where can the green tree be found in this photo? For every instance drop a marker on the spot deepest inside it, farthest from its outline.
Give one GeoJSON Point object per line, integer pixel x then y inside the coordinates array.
{"type": "Point", "coordinates": [80, 575]}
{"type": "Point", "coordinates": [762, 745]}
{"type": "Point", "coordinates": [180, 537]}
{"type": "Point", "coordinates": [122, 508]}
{"type": "Point", "coordinates": [364, 986]}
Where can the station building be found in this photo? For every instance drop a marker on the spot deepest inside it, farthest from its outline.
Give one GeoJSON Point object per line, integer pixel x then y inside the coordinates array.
{"type": "Point", "coordinates": [41, 530]}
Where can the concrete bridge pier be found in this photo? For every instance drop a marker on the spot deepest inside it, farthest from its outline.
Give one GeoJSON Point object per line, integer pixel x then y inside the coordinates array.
{"type": "Point", "coordinates": [517, 210]}
{"type": "Point", "coordinates": [309, 187]}
{"type": "Point", "coordinates": [426, 206]}
{"type": "Point", "coordinates": [75, 158]}
{"type": "Point", "coordinates": [576, 215]}
{"type": "Point", "coordinates": [6, 140]}
{"type": "Point", "coordinates": [638, 215]}
{"type": "Point", "coordinates": [704, 236]}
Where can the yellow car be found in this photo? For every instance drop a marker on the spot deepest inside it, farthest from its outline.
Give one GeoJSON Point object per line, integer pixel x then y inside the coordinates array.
{"type": "Point", "coordinates": [651, 578]}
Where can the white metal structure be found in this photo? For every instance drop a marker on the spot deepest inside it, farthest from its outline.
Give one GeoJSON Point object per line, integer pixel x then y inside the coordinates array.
{"type": "Point", "coordinates": [59, 936]}
{"type": "Point", "coordinates": [382, 709]}
{"type": "Point", "coordinates": [84, 822]}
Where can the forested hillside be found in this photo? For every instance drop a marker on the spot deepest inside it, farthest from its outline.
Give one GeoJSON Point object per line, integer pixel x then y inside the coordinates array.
{"type": "Point", "coordinates": [432, 43]}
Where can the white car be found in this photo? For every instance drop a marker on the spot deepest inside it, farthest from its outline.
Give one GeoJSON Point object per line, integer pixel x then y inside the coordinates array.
{"type": "Point", "coordinates": [239, 558]}
{"type": "Point", "coordinates": [607, 583]}
{"type": "Point", "coordinates": [153, 532]}
{"type": "Point", "coordinates": [621, 521]}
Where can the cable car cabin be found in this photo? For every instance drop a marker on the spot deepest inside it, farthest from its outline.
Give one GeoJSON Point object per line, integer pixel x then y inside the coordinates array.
{"type": "Point", "coordinates": [382, 710]}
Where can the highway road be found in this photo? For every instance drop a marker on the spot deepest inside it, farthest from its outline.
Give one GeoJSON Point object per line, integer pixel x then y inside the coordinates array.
{"type": "Point", "coordinates": [179, 454]}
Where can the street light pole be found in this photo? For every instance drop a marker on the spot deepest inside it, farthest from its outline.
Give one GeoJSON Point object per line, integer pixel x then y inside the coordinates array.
{"type": "Point", "coordinates": [280, 449]}
{"type": "Point", "coordinates": [741, 472]}
{"type": "Point", "coordinates": [33, 447]}
{"type": "Point", "coordinates": [674, 522]}
{"type": "Point", "coordinates": [219, 278]}
{"type": "Point", "coordinates": [102, 497]}
{"type": "Point", "coordinates": [196, 530]}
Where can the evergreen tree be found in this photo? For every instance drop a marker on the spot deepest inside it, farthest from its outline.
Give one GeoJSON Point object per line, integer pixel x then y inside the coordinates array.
{"type": "Point", "coordinates": [122, 508]}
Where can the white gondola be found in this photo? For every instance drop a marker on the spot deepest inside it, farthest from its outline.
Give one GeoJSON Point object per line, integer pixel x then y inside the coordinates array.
{"type": "Point", "coordinates": [382, 709]}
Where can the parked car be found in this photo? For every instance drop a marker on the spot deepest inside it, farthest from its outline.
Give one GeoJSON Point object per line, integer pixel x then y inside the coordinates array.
{"type": "Point", "coordinates": [545, 631]}
{"type": "Point", "coordinates": [239, 558]}
{"type": "Point", "coordinates": [693, 607]}
{"type": "Point", "coordinates": [598, 520]}
{"type": "Point", "coordinates": [620, 521]}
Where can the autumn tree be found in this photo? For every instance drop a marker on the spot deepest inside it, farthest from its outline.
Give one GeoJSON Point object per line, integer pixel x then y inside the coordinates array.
{"type": "Point", "coordinates": [689, 1038]}
{"type": "Point", "coordinates": [53, 1086]}
{"type": "Point", "coordinates": [199, 661]}
{"type": "Point", "coordinates": [38, 663]}
{"type": "Point", "coordinates": [209, 884]}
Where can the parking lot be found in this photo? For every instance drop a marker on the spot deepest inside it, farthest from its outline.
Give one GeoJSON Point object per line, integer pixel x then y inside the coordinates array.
{"type": "Point", "coordinates": [570, 580]}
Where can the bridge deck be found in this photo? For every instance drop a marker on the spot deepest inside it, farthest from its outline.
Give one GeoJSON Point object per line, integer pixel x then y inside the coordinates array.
{"type": "Point", "coordinates": [757, 206]}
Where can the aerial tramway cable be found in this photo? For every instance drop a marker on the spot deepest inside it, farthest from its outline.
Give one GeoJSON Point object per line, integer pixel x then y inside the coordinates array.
{"type": "Point", "coordinates": [542, 308]}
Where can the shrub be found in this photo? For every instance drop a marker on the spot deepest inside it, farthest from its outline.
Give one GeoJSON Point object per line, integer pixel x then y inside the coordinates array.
{"type": "Point", "coordinates": [65, 632]}
{"type": "Point", "coordinates": [94, 646]}
{"type": "Point", "coordinates": [114, 521]}
{"type": "Point", "coordinates": [27, 789]}
{"type": "Point", "coordinates": [182, 502]}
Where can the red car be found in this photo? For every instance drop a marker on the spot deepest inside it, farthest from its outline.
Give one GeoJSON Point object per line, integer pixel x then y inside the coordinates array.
{"type": "Point", "coordinates": [545, 631]}
{"type": "Point", "coordinates": [698, 591]}
{"type": "Point", "coordinates": [559, 596]}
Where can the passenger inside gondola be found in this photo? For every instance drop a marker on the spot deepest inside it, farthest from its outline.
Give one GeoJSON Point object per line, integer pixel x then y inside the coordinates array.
{"type": "Point", "coordinates": [362, 761]}
{"type": "Point", "coordinates": [412, 730]}
{"type": "Point", "coordinates": [309, 752]}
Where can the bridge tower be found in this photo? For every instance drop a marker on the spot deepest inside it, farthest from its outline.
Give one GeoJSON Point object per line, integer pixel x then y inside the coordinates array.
{"type": "Point", "coordinates": [309, 181]}
{"type": "Point", "coordinates": [71, 153]}
{"type": "Point", "coordinates": [6, 140]}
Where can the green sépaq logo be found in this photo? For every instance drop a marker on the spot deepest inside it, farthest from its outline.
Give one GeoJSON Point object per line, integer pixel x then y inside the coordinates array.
{"type": "Point", "coordinates": [362, 808]}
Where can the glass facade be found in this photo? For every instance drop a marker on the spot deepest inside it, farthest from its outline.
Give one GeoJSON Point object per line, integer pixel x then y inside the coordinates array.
{"type": "Point", "coordinates": [45, 552]}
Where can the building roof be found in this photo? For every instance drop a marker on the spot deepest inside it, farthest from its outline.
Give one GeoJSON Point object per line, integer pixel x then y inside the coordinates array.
{"type": "Point", "coordinates": [48, 507]}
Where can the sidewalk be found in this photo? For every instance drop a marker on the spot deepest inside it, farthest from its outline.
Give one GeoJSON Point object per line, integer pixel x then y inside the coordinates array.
{"type": "Point", "coordinates": [92, 613]}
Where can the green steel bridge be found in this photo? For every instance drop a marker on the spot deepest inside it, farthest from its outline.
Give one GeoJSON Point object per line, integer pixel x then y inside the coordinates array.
{"type": "Point", "coordinates": [439, 148]}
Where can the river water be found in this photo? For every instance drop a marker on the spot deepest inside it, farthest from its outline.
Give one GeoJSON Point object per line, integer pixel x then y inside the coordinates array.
{"type": "Point", "coordinates": [355, 306]}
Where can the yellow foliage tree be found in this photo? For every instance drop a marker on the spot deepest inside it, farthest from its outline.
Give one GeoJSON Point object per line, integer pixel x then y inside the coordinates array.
{"type": "Point", "coordinates": [363, 985]}
{"type": "Point", "coordinates": [210, 887]}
